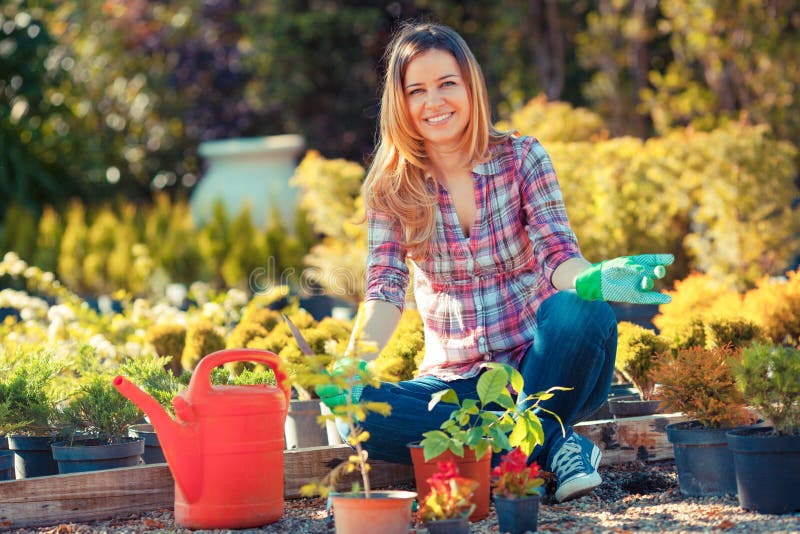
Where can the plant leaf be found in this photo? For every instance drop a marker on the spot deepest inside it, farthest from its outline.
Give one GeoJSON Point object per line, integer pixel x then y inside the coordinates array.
{"type": "Point", "coordinates": [491, 384]}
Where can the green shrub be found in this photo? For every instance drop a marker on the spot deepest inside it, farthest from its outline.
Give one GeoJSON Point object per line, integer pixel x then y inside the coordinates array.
{"type": "Point", "coordinates": [400, 358]}
{"type": "Point", "coordinates": [555, 121]}
{"type": "Point", "coordinates": [774, 304]}
{"type": "Point", "coordinates": [169, 340]}
{"type": "Point", "coordinates": [202, 338]}
{"type": "Point", "coordinates": [152, 375]}
{"type": "Point", "coordinates": [637, 354]}
{"type": "Point", "coordinates": [769, 378]}
{"type": "Point", "coordinates": [27, 399]}
{"type": "Point", "coordinates": [737, 333]}
{"type": "Point", "coordinates": [99, 411]}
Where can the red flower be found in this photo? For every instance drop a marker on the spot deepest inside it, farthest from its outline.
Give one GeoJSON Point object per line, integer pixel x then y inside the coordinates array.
{"type": "Point", "coordinates": [513, 477]}
{"type": "Point", "coordinates": [450, 495]}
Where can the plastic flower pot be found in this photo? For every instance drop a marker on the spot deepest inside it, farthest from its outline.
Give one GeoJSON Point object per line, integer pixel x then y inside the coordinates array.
{"type": "Point", "coordinates": [388, 512]}
{"type": "Point", "coordinates": [632, 406]}
{"type": "Point", "coordinates": [153, 454]}
{"type": "Point", "coordinates": [302, 429]}
{"type": "Point", "coordinates": [448, 526]}
{"type": "Point", "coordinates": [468, 467]}
{"type": "Point", "coordinates": [33, 456]}
{"type": "Point", "coordinates": [702, 459]}
{"type": "Point", "coordinates": [7, 471]}
{"type": "Point", "coordinates": [517, 514]}
{"type": "Point", "coordinates": [767, 469]}
{"type": "Point", "coordinates": [90, 455]}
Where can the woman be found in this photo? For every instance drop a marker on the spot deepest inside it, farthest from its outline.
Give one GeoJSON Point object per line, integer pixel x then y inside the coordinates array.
{"type": "Point", "coordinates": [498, 275]}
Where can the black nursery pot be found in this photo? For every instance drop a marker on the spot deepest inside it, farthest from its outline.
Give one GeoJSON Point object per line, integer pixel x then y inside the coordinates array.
{"type": "Point", "coordinates": [33, 457]}
{"type": "Point", "coordinates": [153, 453]}
{"type": "Point", "coordinates": [90, 455]}
{"type": "Point", "coordinates": [702, 459]}
{"type": "Point", "coordinates": [767, 469]}
{"type": "Point", "coordinates": [7, 471]}
{"type": "Point", "coordinates": [517, 515]}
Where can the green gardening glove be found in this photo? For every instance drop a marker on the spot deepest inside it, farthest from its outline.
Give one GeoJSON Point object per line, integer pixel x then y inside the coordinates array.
{"type": "Point", "coordinates": [625, 279]}
{"type": "Point", "coordinates": [333, 395]}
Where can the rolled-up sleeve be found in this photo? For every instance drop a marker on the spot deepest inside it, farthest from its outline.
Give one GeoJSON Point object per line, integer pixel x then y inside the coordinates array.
{"type": "Point", "coordinates": [546, 216]}
{"type": "Point", "coordinates": [387, 271]}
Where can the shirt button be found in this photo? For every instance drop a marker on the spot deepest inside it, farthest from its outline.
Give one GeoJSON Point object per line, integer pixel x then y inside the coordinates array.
{"type": "Point", "coordinates": [481, 340]}
{"type": "Point", "coordinates": [478, 305]}
{"type": "Point", "coordinates": [487, 357]}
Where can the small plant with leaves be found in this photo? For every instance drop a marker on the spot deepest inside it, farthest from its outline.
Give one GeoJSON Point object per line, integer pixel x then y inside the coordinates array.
{"type": "Point", "coordinates": [698, 382]}
{"type": "Point", "coordinates": [27, 400]}
{"type": "Point", "coordinates": [99, 412]}
{"type": "Point", "coordinates": [736, 332]}
{"type": "Point", "coordinates": [513, 477]}
{"type": "Point", "coordinates": [637, 352]}
{"type": "Point", "coordinates": [474, 423]}
{"type": "Point", "coordinates": [450, 496]}
{"type": "Point", "coordinates": [350, 373]}
{"type": "Point", "coordinates": [152, 376]}
{"type": "Point", "coordinates": [769, 378]}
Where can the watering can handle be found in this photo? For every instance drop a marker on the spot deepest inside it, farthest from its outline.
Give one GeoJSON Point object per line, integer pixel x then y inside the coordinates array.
{"type": "Point", "coordinates": [200, 384]}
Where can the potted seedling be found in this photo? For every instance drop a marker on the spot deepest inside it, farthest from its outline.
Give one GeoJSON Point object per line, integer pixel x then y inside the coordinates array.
{"type": "Point", "coordinates": [447, 506]}
{"type": "Point", "coordinates": [698, 382]}
{"type": "Point", "coordinates": [477, 427]}
{"type": "Point", "coordinates": [355, 511]}
{"type": "Point", "coordinates": [637, 351]}
{"type": "Point", "coordinates": [517, 487]}
{"type": "Point", "coordinates": [767, 459]}
{"type": "Point", "coordinates": [98, 418]}
{"type": "Point", "coordinates": [28, 412]}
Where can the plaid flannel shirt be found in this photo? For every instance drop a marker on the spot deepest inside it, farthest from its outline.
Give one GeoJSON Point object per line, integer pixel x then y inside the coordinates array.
{"type": "Point", "coordinates": [478, 296]}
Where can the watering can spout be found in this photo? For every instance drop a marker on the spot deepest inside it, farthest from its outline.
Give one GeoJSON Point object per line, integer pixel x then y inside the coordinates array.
{"type": "Point", "coordinates": [178, 439]}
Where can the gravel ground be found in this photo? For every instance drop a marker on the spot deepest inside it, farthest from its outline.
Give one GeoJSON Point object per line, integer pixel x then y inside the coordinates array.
{"type": "Point", "coordinates": [633, 498]}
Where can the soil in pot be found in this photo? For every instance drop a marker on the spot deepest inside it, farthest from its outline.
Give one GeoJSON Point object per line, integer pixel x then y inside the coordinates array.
{"type": "Point", "coordinates": [468, 466]}
{"type": "Point", "coordinates": [767, 469]}
{"type": "Point", "coordinates": [153, 454]}
{"type": "Point", "coordinates": [387, 512]}
{"type": "Point", "coordinates": [92, 455]}
{"type": "Point", "coordinates": [702, 459]}
{"type": "Point", "coordinates": [33, 456]}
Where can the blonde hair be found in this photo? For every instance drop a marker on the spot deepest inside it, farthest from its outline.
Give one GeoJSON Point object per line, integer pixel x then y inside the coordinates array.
{"type": "Point", "coordinates": [396, 183]}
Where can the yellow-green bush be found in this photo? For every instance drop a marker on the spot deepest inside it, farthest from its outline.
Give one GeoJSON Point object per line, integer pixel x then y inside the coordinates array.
{"type": "Point", "coordinates": [638, 349]}
{"type": "Point", "coordinates": [735, 332]}
{"type": "Point", "coordinates": [400, 358]}
{"type": "Point", "coordinates": [202, 338]}
{"type": "Point", "coordinates": [555, 121]}
{"type": "Point", "coordinates": [774, 304]}
{"type": "Point", "coordinates": [169, 340]}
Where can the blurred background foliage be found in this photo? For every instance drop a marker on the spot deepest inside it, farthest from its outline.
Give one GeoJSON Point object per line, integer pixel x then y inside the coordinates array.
{"type": "Point", "coordinates": [673, 126]}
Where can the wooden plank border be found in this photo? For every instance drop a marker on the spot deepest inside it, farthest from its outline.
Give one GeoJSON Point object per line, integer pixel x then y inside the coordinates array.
{"type": "Point", "coordinates": [78, 497]}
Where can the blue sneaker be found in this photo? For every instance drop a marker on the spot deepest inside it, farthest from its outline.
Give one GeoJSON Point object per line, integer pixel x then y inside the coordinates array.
{"type": "Point", "coordinates": [575, 465]}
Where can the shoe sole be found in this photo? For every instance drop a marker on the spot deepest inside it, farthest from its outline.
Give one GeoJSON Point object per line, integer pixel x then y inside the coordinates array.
{"type": "Point", "coordinates": [578, 487]}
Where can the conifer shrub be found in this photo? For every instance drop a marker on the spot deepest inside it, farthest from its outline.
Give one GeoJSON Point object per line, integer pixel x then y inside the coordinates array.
{"type": "Point", "coordinates": [774, 304]}
{"type": "Point", "coordinates": [699, 382]}
{"type": "Point", "coordinates": [638, 350]}
{"type": "Point", "coordinates": [400, 358]}
{"type": "Point", "coordinates": [169, 340]}
{"type": "Point", "coordinates": [769, 378]}
{"type": "Point", "coordinates": [202, 338]}
{"type": "Point", "coordinates": [734, 332]}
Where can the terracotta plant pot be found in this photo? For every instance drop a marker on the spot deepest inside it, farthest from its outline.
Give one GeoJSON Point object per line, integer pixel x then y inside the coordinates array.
{"type": "Point", "coordinates": [468, 466]}
{"type": "Point", "coordinates": [517, 515]}
{"type": "Point", "coordinates": [387, 512]}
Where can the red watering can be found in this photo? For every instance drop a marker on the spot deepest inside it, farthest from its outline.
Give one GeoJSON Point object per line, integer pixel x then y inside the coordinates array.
{"type": "Point", "coordinates": [225, 446]}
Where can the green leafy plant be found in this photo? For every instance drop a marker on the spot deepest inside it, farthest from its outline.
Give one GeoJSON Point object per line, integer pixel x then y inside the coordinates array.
{"type": "Point", "coordinates": [202, 338]}
{"type": "Point", "coordinates": [450, 496]}
{"type": "Point", "coordinates": [769, 378]}
{"type": "Point", "coordinates": [698, 382]}
{"type": "Point", "coordinates": [475, 425]}
{"type": "Point", "coordinates": [637, 351]}
{"type": "Point", "coordinates": [169, 340]}
{"type": "Point", "coordinates": [513, 477]}
{"type": "Point", "coordinates": [152, 376]}
{"type": "Point", "coordinates": [99, 412]}
{"type": "Point", "coordinates": [350, 373]}
{"type": "Point", "coordinates": [27, 399]}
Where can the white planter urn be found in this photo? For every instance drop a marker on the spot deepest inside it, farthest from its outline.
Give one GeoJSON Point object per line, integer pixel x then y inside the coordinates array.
{"type": "Point", "coordinates": [253, 171]}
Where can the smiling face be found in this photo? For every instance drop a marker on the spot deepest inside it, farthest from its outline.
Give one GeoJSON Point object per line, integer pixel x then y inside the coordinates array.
{"type": "Point", "coordinates": [437, 99]}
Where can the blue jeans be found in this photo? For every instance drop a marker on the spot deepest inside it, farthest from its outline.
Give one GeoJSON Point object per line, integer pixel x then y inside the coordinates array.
{"type": "Point", "coordinates": [575, 346]}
